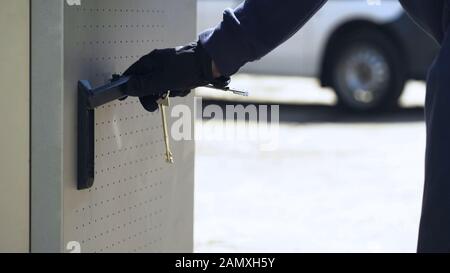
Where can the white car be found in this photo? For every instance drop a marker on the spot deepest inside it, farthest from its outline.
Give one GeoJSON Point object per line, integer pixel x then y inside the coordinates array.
{"type": "Point", "coordinates": [365, 52]}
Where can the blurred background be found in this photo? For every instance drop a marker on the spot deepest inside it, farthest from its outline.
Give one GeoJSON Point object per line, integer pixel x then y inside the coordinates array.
{"type": "Point", "coordinates": [348, 173]}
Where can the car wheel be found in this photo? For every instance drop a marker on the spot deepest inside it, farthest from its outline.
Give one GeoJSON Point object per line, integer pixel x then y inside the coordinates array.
{"type": "Point", "coordinates": [367, 72]}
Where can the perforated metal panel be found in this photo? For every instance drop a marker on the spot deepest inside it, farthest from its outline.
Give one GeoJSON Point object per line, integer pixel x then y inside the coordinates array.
{"type": "Point", "coordinates": [139, 203]}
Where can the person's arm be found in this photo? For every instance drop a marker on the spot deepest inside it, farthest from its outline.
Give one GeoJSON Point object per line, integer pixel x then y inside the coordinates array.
{"type": "Point", "coordinates": [253, 29]}
{"type": "Point", "coordinates": [246, 34]}
{"type": "Point", "coordinates": [432, 16]}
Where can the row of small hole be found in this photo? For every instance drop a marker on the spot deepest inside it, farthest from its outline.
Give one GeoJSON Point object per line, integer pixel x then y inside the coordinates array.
{"type": "Point", "coordinates": [110, 42]}
{"type": "Point", "coordinates": [148, 244]}
{"type": "Point", "coordinates": [131, 148]}
{"type": "Point", "coordinates": [130, 178]}
{"type": "Point", "coordinates": [119, 212]}
{"type": "Point", "coordinates": [118, 197]}
{"type": "Point", "coordinates": [123, 119]}
{"type": "Point", "coordinates": [129, 163]}
{"type": "Point", "coordinates": [121, 10]}
{"type": "Point", "coordinates": [121, 26]}
{"type": "Point", "coordinates": [97, 59]}
{"type": "Point", "coordinates": [99, 204]}
{"type": "Point", "coordinates": [154, 228]}
{"type": "Point", "coordinates": [93, 238]}
{"type": "Point", "coordinates": [122, 226]}
{"type": "Point", "coordinates": [130, 133]}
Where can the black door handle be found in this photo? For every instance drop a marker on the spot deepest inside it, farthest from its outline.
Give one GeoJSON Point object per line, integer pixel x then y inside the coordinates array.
{"type": "Point", "coordinates": [88, 99]}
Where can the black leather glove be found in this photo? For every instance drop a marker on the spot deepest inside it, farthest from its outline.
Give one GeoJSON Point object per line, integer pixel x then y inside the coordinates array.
{"type": "Point", "coordinates": [176, 70]}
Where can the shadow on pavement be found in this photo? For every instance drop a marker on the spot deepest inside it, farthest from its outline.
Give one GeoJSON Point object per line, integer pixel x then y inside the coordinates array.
{"type": "Point", "coordinates": [315, 113]}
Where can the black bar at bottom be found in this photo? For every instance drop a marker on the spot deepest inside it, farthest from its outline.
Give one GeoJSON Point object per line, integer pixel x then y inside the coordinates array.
{"type": "Point", "coordinates": [86, 145]}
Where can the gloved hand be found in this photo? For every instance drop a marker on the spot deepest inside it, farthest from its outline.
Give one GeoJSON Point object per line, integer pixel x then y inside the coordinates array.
{"type": "Point", "coordinates": [176, 70]}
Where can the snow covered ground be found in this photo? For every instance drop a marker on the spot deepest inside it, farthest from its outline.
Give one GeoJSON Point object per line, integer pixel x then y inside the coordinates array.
{"type": "Point", "coordinates": [336, 183]}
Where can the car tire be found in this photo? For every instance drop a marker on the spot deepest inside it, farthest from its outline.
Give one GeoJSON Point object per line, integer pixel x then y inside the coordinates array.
{"type": "Point", "coordinates": [367, 72]}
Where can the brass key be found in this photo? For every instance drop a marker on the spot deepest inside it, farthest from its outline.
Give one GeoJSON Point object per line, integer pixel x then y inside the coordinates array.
{"type": "Point", "coordinates": [163, 103]}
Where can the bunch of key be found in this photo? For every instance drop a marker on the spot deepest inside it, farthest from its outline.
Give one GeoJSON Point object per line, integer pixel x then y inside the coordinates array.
{"type": "Point", "coordinates": [164, 102]}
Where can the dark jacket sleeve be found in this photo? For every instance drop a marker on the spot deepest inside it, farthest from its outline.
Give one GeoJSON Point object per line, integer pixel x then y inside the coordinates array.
{"type": "Point", "coordinates": [432, 16]}
{"type": "Point", "coordinates": [255, 28]}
